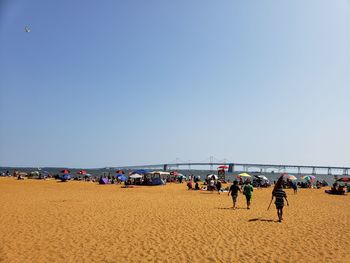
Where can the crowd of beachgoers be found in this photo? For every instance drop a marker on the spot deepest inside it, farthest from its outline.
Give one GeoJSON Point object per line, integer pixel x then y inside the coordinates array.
{"type": "Point", "coordinates": [211, 182]}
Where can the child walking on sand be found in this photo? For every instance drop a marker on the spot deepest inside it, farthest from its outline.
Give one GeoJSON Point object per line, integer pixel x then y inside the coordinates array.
{"type": "Point", "coordinates": [248, 192]}
{"type": "Point", "coordinates": [234, 192]}
{"type": "Point", "coordinates": [279, 194]}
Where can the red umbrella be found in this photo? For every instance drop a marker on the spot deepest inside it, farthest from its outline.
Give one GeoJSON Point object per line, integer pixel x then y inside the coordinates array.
{"type": "Point", "coordinates": [223, 167]}
{"type": "Point", "coordinates": [120, 172]}
{"type": "Point", "coordinates": [344, 179]}
{"type": "Point", "coordinates": [83, 172]}
{"type": "Point", "coordinates": [65, 171]}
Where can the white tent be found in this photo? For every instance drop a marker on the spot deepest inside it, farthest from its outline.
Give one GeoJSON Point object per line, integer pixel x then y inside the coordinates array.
{"type": "Point", "coordinates": [160, 172]}
{"type": "Point", "coordinates": [135, 176]}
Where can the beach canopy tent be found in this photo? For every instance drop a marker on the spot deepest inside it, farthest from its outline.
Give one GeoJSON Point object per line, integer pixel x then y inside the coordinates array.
{"type": "Point", "coordinates": [42, 174]}
{"type": "Point", "coordinates": [308, 177]}
{"type": "Point", "coordinates": [244, 175]}
{"type": "Point", "coordinates": [135, 176]}
{"type": "Point", "coordinates": [160, 172]}
{"type": "Point", "coordinates": [65, 171]}
{"type": "Point", "coordinates": [35, 173]}
{"type": "Point", "coordinates": [140, 171]}
{"type": "Point", "coordinates": [65, 177]}
{"type": "Point", "coordinates": [157, 181]}
{"type": "Point", "coordinates": [212, 176]}
{"type": "Point", "coordinates": [103, 181]}
{"type": "Point", "coordinates": [344, 179]}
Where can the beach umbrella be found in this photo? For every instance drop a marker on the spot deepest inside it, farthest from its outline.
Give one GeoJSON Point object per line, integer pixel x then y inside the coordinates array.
{"type": "Point", "coordinates": [308, 177]}
{"type": "Point", "coordinates": [263, 177]}
{"type": "Point", "coordinates": [244, 175]}
{"type": "Point", "coordinates": [65, 171]}
{"type": "Point", "coordinates": [82, 172]}
{"type": "Point", "coordinates": [120, 172]}
{"type": "Point", "coordinates": [223, 167]}
{"type": "Point", "coordinates": [212, 176]}
{"type": "Point", "coordinates": [292, 177]}
{"type": "Point", "coordinates": [122, 177]}
{"type": "Point", "coordinates": [344, 179]}
{"type": "Point", "coordinates": [135, 176]}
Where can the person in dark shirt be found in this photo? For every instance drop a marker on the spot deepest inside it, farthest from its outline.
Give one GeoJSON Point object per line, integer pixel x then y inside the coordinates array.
{"type": "Point", "coordinates": [196, 187]}
{"type": "Point", "coordinates": [234, 189]}
{"type": "Point", "coordinates": [218, 186]}
{"type": "Point", "coordinates": [279, 194]}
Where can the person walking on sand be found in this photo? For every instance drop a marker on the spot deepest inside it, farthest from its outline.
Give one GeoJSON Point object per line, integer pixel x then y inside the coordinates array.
{"type": "Point", "coordinates": [279, 194]}
{"type": "Point", "coordinates": [218, 186]}
{"type": "Point", "coordinates": [234, 189]}
{"type": "Point", "coordinates": [248, 192]}
{"type": "Point", "coordinates": [295, 187]}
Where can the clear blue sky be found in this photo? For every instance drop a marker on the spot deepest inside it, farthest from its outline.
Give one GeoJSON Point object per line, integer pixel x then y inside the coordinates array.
{"type": "Point", "coordinates": [106, 83]}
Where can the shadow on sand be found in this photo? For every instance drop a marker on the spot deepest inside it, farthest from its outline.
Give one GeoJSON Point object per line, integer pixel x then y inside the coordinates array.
{"type": "Point", "coordinates": [230, 208]}
{"type": "Point", "coordinates": [263, 220]}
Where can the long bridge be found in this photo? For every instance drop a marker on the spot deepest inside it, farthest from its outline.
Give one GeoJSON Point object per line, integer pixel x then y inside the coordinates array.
{"type": "Point", "coordinates": [246, 167]}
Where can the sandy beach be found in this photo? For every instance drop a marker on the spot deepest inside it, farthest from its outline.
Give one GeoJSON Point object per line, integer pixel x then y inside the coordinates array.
{"type": "Point", "coordinates": [47, 221]}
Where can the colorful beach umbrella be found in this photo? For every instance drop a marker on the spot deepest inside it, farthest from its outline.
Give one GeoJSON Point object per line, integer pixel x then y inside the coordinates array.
{"type": "Point", "coordinates": [65, 171]}
{"type": "Point", "coordinates": [344, 179]}
{"type": "Point", "coordinates": [292, 177]}
{"type": "Point", "coordinates": [308, 177]}
{"type": "Point", "coordinates": [244, 175]}
{"type": "Point", "coordinates": [223, 167]}
{"type": "Point", "coordinates": [120, 172]}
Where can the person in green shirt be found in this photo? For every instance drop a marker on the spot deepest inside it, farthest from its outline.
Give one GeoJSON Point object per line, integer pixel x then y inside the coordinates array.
{"type": "Point", "coordinates": [248, 192]}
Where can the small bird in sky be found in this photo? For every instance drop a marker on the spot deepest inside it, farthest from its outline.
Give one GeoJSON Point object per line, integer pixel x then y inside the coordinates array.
{"type": "Point", "coordinates": [26, 29]}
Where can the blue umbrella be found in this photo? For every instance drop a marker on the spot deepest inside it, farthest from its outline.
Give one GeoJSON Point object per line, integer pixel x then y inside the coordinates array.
{"type": "Point", "coordinates": [122, 177]}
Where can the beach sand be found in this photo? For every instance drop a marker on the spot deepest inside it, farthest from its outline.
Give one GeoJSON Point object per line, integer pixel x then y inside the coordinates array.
{"type": "Point", "coordinates": [48, 221]}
